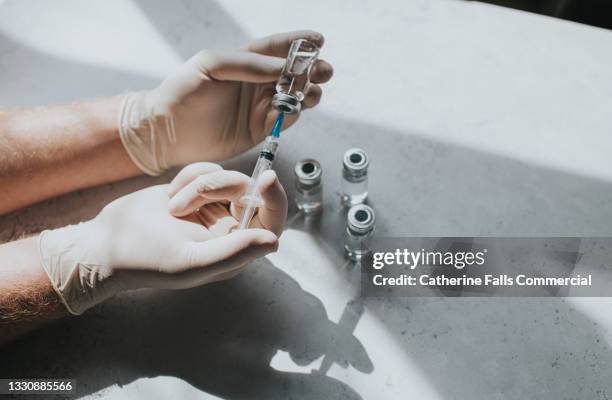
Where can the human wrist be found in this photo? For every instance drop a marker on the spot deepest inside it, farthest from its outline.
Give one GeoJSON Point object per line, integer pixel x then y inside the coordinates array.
{"type": "Point", "coordinates": [27, 298]}
{"type": "Point", "coordinates": [99, 118]}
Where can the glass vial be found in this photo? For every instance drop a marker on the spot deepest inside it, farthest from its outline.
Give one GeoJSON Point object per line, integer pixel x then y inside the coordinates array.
{"type": "Point", "coordinates": [354, 177]}
{"type": "Point", "coordinates": [294, 76]}
{"type": "Point", "coordinates": [359, 232]}
{"type": "Point", "coordinates": [309, 191]}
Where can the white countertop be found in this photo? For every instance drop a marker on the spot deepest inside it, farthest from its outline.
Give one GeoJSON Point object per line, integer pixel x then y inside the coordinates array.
{"type": "Point", "coordinates": [479, 121]}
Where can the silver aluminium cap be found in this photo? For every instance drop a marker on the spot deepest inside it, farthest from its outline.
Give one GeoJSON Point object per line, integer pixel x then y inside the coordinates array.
{"type": "Point", "coordinates": [361, 218]}
{"type": "Point", "coordinates": [286, 103]}
{"type": "Point", "coordinates": [355, 160]}
{"type": "Point", "coordinates": [308, 172]}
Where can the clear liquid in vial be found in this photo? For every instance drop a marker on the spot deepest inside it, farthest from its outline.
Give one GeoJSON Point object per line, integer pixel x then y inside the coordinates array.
{"type": "Point", "coordinates": [309, 199]}
{"type": "Point", "coordinates": [295, 72]}
{"type": "Point", "coordinates": [309, 189]}
{"type": "Point", "coordinates": [354, 192]}
{"type": "Point", "coordinates": [359, 232]}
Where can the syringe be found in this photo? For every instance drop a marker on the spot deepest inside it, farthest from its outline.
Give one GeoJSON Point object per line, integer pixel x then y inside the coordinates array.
{"type": "Point", "coordinates": [289, 95]}
{"type": "Point", "coordinates": [251, 199]}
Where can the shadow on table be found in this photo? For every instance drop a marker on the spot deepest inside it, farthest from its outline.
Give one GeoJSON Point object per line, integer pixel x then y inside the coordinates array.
{"type": "Point", "coordinates": [220, 338]}
{"type": "Point", "coordinates": [483, 347]}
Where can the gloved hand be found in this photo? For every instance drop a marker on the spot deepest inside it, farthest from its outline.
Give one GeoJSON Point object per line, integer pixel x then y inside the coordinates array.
{"type": "Point", "coordinates": [217, 105]}
{"type": "Point", "coordinates": [135, 242]}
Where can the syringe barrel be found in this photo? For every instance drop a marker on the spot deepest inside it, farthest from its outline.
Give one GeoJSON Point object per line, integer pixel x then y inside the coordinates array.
{"type": "Point", "coordinates": [252, 196]}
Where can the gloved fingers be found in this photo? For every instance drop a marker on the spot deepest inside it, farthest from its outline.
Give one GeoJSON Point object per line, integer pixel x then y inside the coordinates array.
{"type": "Point", "coordinates": [321, 72]}
{"type": "Point", "coordinates": [278, 45]}
{"type": "Point", "coordinates": [191, 227]}
{"type": "Point", "coordinates": [312, 95]}
{"type": "Point", "coordinates": [189, 173]}
{"type": "Point", "coordinates": [227, 253]}
{"type": "Point", "coordinates": [215, 186]}
{"type": "Point", "coordinates": [240, 66]}
{"type": "Point", "coordinates": [216, 218]}
{"type": "Point", "coordinates": [272, 214]}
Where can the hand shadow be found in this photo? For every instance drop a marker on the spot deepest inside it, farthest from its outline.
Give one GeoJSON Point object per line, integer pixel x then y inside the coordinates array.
{"type": "Point", "coordinates": [220, 338]}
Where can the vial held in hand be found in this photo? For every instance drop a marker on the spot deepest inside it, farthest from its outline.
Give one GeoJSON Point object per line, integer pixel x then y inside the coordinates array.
{"type": "Point", "coordinates": [294, 76]}
{"type": "Point", "coordinates": [359, 232]}
{"type": "Point", "coordinates": [309, 190]}
{"type": "Point", "coordinates": [354, 177]}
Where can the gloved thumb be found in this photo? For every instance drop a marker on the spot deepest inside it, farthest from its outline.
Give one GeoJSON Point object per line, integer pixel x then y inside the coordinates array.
{"type": "Point", "coordinates": [240, 66]}
{"type": "Point", "coordinates": [231, 251]}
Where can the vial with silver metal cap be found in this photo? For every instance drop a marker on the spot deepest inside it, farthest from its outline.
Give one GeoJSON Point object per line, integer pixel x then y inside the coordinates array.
{"type": "Point", "coordinates": [309, 191]}
{"type": "Point", "coordinates": [359, 232]}
{"type": "Point", "coordinates": [354, 177]}
{"type": "Point", "coordinates": [294, 76]}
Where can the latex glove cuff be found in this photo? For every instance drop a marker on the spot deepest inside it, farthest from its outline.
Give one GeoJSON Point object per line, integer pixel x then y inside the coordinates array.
{"type": "Point", "coordinates": [77, 274]}
{"type": "Point", "coordinates": [146, 133]}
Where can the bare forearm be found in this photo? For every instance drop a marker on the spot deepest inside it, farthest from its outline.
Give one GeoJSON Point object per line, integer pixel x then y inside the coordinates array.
{"type": "Point", "coordinates": [48, 151]}
{"type": "Point", "coordinates": [27, 298]}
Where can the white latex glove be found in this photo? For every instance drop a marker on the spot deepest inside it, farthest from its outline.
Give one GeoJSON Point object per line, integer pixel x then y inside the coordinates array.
{"type": "Point", "coordinates": [217, 105]}
{"type": "Point", "coordinates": [135, 242]}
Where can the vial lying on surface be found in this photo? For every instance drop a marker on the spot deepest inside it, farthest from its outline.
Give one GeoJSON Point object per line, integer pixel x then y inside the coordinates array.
{"type": "Point", "coordinates": [359, 232]}
{"type": "Point", "coordinates": [294, 76]}
{"type": "Point", "coordinates": [309, 190]}
{"type": "Point", "coordinates": [354, 177]}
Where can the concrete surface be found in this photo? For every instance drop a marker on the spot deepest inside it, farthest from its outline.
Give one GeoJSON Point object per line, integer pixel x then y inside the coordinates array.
{"type": "Point", "coordinates": [479, 121]}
